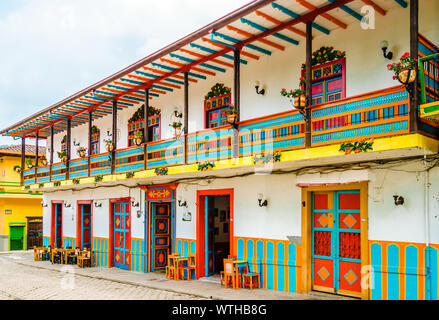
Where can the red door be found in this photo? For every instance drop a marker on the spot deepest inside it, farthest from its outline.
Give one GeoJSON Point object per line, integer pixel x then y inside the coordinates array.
{"type": "Point", "coordinates": [336, 242]}
{"type": "Point", "coordinates": [122, 235]}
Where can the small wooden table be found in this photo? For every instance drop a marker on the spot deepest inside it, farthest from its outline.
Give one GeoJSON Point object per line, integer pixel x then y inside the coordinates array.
{"type": "Point", "coordinates": [178, 262]}
{"type": "Point", "coordinates": [237, 264]}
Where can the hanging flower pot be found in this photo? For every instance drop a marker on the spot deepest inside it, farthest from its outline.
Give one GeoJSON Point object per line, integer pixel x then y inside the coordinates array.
{"type": "Point", "coordinates": [302, 100]}
{"type": "Point", "coordinates": [64, 159]}
{"type": "Point", "coordinates": [407, 76]}
{"type": "Point", "coordinates": [296, 101]}
{"type": "Point", "coordinates": [177, 131]}
{"type": "Point", "coordinates": [17, 169]}
{"type": "Point", "coordinates": [138, 141]}
{"type": "Point", "coordinates": [231, 118]}
{"type": "Point", "coordinates": [44, 162]}
{"type": "Point", "coordinates": [109, 147]}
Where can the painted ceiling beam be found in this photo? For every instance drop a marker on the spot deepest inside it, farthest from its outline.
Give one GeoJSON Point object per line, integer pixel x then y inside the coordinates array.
{"type": "Point", "coordinates": [325, 15]}
{"type": "Point", "coordinates": [164, 85]}
{"type": "Point", "coordinates": [150, 75]}
{"type": "Point", "coordinates": [160, 82]}
{"type": "Point", "coordinates": [209, 66]}
{"type": "Point", "coordinates": [195, 54]}
{"type": "Point", "coordinates": [161, 72]}
{"type": "Point", "coordinates": [402, 3]}
{"type": "Point", "coordinates": [223, 46]}
{"type": "Point", "coordinates": [132, 83]}
{"type": "Point", "coordinates": [80, 100]}
{"type": "Point", "coordinates": [261, 28]}
{"type": "Point", "coordinates": [206, 49]}
{"type": "Point", "coordinates": [377, 8]}
{"type": "Point", "coordinates": [102, 97]}
{"type": "Point", "coordinates": [296, 15]}
{"type": "Point", "coordinates": [350, 11]}
{"type": "Point", "coordinates": [181, 65]}
{"type": "Point", "coordinates": [195, 75]}
{"type": "Point", "coordinates": [262, 40]}
{"type": "Point", "coordinates": [250, 46]}
{"type": "Point", "coordinates": [275, 21]}
{"type": "Point", "coordinates": [117, 91]}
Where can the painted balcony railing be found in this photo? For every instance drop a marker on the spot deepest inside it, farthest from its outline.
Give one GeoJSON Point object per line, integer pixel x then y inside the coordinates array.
{"type": "Point", "coordinates": [378, 114]}
{"type": "Point", "coordinates": [382, 113]}
{"type": "Point", "coordinates": [429, 79]}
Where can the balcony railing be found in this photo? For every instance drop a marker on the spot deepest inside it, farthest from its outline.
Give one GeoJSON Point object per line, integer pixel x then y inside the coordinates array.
{"type": "Point", "coordinates": [378, 114]}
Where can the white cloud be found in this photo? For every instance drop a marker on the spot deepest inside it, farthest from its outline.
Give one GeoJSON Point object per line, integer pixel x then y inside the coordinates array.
{"type": "Point", "coordinates": [54, 48]}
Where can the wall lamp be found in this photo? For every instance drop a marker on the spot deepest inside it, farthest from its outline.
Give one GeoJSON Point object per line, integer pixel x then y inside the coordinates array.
{"type": "Point", "coordinates": [98, 204]}
{"type": "Point", "coordinates": [261, 200]}
{"type": "Point", "coordinates": [139, 214]}
{"type": "Point", "coordinates": [384, 46]}
{"type": "Point", "coordinates": [181, 202]}
{"type": "Point", "coordinates": [67, 204]}
{"type": "Point", "coordinates": [109, 134]}
{"type": "Point", "coordinates": [178, 114]}
{"type": "Point", "coordinates": [399, 200]}
{"type": "Point", "coordinates": [75, 143]}
{"type": "Point", "coordinates": [43, 204]}
{"type": "Point", "coordinates": [134, 203]}
{"type": "Point", "coordinates": [257, 85]}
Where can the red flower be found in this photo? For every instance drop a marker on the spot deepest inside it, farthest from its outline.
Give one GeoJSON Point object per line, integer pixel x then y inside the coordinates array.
{"type": "Point", "coordinates": [394, 77]}
{"type": "Point", "coordinates": [405, 55]}
{"type": "Point", "coordinates": [283, 90]}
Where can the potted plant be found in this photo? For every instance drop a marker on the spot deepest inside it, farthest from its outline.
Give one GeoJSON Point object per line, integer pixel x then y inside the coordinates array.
{"type": "Point", "coordinates": [43, 160]}
{"type": "Point", "coordinates": [177, 127]}
{"type": "Point", "coordinates": [109, 145]}
{"type": "Point", "coordinates": [17, 169]}
{"type": "Point", "coordinates": [296, 96]}
{"type": "Point", "coordinates": [217, 90]}
{"type": "Point", "coordinates": [232, 114]}
{"type": "Point", "coordinates": [29, 163]}
{"type": "Point", "coordinates": [81, 151]}
{"type": "Point", "coordinates": [405, 69]}
{"type": "Point", "coordinates": [138, 138]}
{"type": "Point", "coordinates": [62, 156]}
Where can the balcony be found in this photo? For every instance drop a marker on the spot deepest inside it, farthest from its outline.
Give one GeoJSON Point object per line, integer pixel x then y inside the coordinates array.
{"type": "Point", "coordinates": [380, 114]}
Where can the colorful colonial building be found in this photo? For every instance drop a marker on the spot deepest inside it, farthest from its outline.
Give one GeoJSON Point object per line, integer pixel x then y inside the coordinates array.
{"type": "Point", "coordinates": [337, 194]}
{"type": "Point", "coordinates": [21, 213]}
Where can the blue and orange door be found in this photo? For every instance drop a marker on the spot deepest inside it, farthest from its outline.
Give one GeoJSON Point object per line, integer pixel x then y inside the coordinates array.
{"type": "Point", "coordinates": [336, 242]}
{"type": "Point", "coordinates": [85, 226]}
{"type": "Point", "coordinates": [161, 231]}
{"type": "Point", "coordinates": [122, 235]}
{"type": "Point", "coordinates": [56, 228]}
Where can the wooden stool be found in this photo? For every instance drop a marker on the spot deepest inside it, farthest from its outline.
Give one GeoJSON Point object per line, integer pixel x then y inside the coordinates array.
{"type": "Point", "coordinates": [251, 279]}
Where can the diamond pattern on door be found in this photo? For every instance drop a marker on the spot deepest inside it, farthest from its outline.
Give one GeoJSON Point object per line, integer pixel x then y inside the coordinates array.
{"type": "Point", "coordinates": [122, 235]}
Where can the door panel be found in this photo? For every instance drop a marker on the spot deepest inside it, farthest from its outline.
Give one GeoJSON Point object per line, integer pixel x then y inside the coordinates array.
{"type": "Point", "coordinates": [86, 226]}
{"type": "Point", "coordinates": [161, 234]}
{"type": "Point", "coordinates": [210, 236]}
{"type": "Point", "coordinates": [336, 242]}
{"type": "Point", "coordinates": [122, 238]}
{"type": "Point", "coordinates": [58, 225]}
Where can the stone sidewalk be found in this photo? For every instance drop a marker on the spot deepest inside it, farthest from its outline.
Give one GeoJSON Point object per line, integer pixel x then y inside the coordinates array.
{"type": "Point", "coordinates": [195, 289]}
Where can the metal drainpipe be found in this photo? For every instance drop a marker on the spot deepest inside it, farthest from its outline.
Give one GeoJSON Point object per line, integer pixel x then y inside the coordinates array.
{"type": "Point", "coordinates": [427, 231]}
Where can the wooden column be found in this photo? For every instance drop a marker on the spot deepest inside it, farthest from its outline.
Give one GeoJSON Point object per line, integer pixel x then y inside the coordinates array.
{"type": "Point", "coordinates": [145, 125]}
{"type": "Point", "coordinates": [51, 150]}
{"type": "Point", "coordinates": [68, 147]}
{"type": "Point", "coordinates": [90, 125]}
{"type": "Point", "coordinates": [186, 114]}
{"type": "Point", "coordinates": [114, 137]}
{"type": "Point", "coordinates": [37, 138]}
{"type": "Point", "coordinates": [308, 85]}
{"type": "Point", "coordinates": [23, 154]}
{"type": "Point", "coordinates": [414, 33]}
{"type": "Point", "coordinates": [236, 99]}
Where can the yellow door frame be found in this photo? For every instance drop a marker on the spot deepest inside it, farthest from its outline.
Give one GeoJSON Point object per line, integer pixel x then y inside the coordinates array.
{"type": "Point", "coordinates": [307, 223]}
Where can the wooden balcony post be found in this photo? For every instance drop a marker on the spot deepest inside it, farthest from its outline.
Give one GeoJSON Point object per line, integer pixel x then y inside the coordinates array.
{"type": "Point", "coordinates": [23, 153]}
{"type": "Point", "coordinates": [236, 100]}
{"type": "Point", "coordinates": [414, 34]}
{"type": "Point", "coordinates": [186, 114]}
{"type": "Point", "coordinates": [90, 125]}
{"type": "Point", "coordinates": [68, 142]}
{"type": "Point", "coordinates": [51, 151]}
{"type": "Point", "coordinates": [37, 137]}
{"type": "Point", "coordinates": [308, 86]}
{"type": "Point", "coordinates": [114, 137]}
{"type": "Point", "coordinates": [145, 125]}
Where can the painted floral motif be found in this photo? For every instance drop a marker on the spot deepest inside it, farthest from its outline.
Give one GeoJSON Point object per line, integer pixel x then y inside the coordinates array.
{"type": "Point", "coordinates": [357, 146]}
{"type": "Point", "coordinates": [266, 158]}
{"type": "Point", "coordinates": [161, 171]}
{"type": "Point", "coordinates": [206, 166]}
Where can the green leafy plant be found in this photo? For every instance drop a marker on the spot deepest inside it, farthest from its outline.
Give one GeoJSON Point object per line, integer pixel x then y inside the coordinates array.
{"type": "Point", "coordinates": [27, 187]}
{"type": "Point", "coordinates": [41, 185]}
{"type": "Point", "coordinates": [139, 114]}
{"type": "Point", "coordinates": [206, 166]}
{"type": "Point", "coordinates": [292, 93]}
{"type": "Point", "coordinates": [56, 183]}
{"type": "Point", "coordinates": [99, 178]}
{"type": "Point", "coordinates": [217, 90]}
{"type": "Point", "coordinates": [231, 110]}
{"type": "Point", "coordinates": [29, 163]}
{"type": "Point", "coordinates": [266, 158]}
{"type": "Point", "coordinates": [94, 130]}
{"type": "Point", "coordinates": [161, 171]}
{"type": "Point", "coordinates": [129, 175]}
{"type": "Point", "coordinates": [81, 150]}
{"type": "Point", "coordinates": [75, 181]}
{"type": "Point", "coordinates": [176, 124]}
{"type": "Point", "coordinates": [357, 146]}
{"type": "Point", "coordinates": [64, 139]}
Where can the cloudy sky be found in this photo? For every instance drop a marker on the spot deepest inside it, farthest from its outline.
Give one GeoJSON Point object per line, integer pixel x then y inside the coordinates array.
{"type": "Point", "coordinates": [51, 49]}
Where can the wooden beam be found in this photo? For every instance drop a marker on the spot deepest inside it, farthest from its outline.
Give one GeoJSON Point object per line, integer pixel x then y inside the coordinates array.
{"type": "Point", "coordinates": [308, 86]}
{"type": "Point", "coordinates": [90, 128]}
{"type": "Point", "coordinates": [198, 55]}
{"type": "Point", "coordinates": [414, 54]}
{"type": "Point", "coordinates": [161, 72]}
{"type": "Point", "coordinates": [23, 153]}
{"type": "Point", "coordinates": [261, 40]}
{"type": "Point", "coordinates": [236, 100]}
{"type": "Point", "coordinates": [145, 125]}
{"type": "Point", "coordinates": [181, 65]}
{"type": "Point", "coordinates": [114, 137]}
{"type": "Point", "coordinates": [325, 15]}
{"type": "Point", "coordinates": [275, 21]}
{"type": "Point", "coordinates": [37, 137]}
{"type": "Point", "coordinates": [377, 8]}
{"type": "Point", "coordinates": [186, 114]}
{"type": "Point", "coordinates": [244, 53]}
{"type": "Point", "coordinates": [68, 147]}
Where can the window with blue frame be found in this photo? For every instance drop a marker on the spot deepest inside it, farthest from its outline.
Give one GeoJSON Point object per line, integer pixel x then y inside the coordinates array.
{"type": "Point", "coordinates": [328, 82]}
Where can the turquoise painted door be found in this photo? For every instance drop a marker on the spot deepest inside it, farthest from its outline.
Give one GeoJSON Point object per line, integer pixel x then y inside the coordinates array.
{"type": "Point", "coordinates": [161, 239]}
{"type": "Point", "coordinates": [85, 226]}
{"type": "Point", "coordinates": [210, 236]}
{"type": "Point", "coordinates": [336, 242]}
{"type": "Point", "coordinates": [122, 237]}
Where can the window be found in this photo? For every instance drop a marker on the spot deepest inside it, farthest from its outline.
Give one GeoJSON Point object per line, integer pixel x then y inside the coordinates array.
{"type": "Point", "coordinates": [215, 110]}
{"type": "Point", "coordinates": [153, 129]}
{"type": "Point", "coordinates": [95, 141]}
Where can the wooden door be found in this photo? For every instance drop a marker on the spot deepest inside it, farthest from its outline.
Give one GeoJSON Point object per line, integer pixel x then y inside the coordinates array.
{"type": "Point", "coordinates": [85, 226]}
{"type": "Point", "coordinates": [34, 232]}
{"type": "Point", "coordinates": [336, 242]}
{"type": "Point", "coordinates": [122, 235]}
{"type": "Point", "coordinates": [161, 235]}
{"type": "Point", "coordinates": [210, 236]}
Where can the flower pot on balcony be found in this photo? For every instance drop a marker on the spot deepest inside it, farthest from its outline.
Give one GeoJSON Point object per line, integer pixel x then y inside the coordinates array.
{"type": "Point", "coordinates": [138, 141]}
{"type": "Point", "coordinates": [64, 159]}
{"type": "Point", "coordinates": [177, 131]}
{"type": "Point", "coordinates": [296, 102]}
{"type": "Point", "coordinates": [302, 100]}
{"type": "Point", "coordinates": [231, 118]}
{"type": "Point", "coordinates": [407, 76]}
{"type": "Point", "coordinates": [109, 147]}
{"type": "Point", "coordinates": [44, 162]}
{"type": "Point", "coordinates": [82, 154]}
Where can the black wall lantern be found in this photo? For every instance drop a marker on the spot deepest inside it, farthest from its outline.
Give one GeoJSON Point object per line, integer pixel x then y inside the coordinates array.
{"type": "Point", "coordinates": [399, 200]}
{"type": "Point", "coordinates": [257, 85]}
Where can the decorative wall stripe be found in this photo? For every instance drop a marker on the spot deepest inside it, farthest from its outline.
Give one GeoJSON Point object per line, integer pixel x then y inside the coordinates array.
{"type": "Point", "coordinates": [404, 271]}
{"type": "Point", "coordinates": [68, 242]}
{"type": "Point", "coordinates": [100, 251]}
{"type": "Point", "coordinates": [278, 261]}
{"type": "Point", "coordinates": [185, 247]}
{"type": "Point", "coordinates": [46, 241]}
{"type": "Point", "coordinates": [138, 255]}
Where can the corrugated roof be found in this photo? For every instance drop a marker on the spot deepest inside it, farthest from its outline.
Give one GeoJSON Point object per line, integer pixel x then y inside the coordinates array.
{"type": "Point", "coordinates": [30, 149]}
